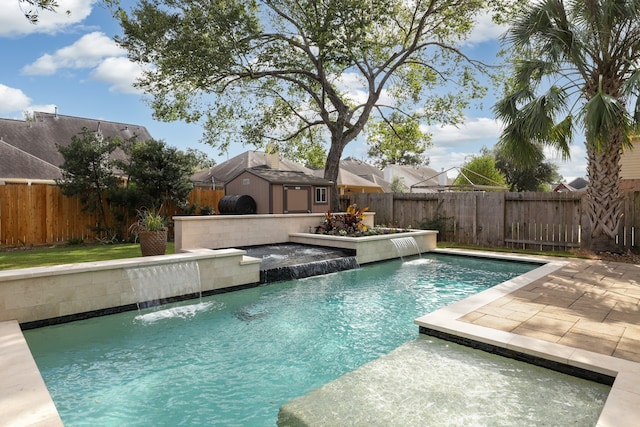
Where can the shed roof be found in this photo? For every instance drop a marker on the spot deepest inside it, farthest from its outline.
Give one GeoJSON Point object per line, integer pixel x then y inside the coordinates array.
{"type": "Point", "coordinates": [285, 177]}
{"type": "Point", "coordinates": [226, 171]}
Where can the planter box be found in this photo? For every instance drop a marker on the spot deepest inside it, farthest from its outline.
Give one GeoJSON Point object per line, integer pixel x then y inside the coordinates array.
{"type": "Point", "coordinates": [373, 248]}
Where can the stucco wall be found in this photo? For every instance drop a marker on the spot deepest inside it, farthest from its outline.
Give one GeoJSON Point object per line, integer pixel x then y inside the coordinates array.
{"type": "Point", "coordinates": [35, 294]}
{"type": "Point", "coordinates": [232, 231]}
{"type": "Point", "coordinates": [373, 248]}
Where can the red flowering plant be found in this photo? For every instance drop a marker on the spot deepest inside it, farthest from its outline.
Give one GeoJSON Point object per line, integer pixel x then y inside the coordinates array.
{"type": "Point", "coordinates": [344, 224]}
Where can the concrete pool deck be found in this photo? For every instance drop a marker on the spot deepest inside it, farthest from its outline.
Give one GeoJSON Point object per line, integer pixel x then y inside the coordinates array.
{"type": "Point", "coordinates": [580, 312]}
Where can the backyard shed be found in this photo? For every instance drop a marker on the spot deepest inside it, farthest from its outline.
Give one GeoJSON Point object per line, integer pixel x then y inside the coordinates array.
{"type": "Point", "coordinates": [278, 191]}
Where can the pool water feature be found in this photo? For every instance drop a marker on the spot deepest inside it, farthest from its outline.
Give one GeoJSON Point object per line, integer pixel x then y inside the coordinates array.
{"type": "Point", "coordinates": [158, 284]}
{"type": "Point", "coordinates": [237, 357]}
{"type": "Point", "coordinates": [406, 246]}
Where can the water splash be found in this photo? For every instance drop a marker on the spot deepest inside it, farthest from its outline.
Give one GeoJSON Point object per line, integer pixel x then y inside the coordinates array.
{"type": "Point", "coordinates": [180, 312]}
{"type": "Point", "coordinates": [406, 246]}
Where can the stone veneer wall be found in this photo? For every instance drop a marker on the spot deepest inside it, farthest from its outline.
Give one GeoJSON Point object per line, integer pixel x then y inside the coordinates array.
{"type": "Point", "coordinates": [232, 231]}
{"type": "Point", "coordinates": [41, 293]}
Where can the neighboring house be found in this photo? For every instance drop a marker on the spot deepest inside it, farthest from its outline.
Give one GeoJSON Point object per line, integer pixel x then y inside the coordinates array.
{"type": "Point", "coordinates": [279, 191]}
{"type": "Point", "coordinates": [365, 170]}
{"type": "Point", "coordinates": [630, 168]}
{"type": "Point", "coordinates": [349, 183]}
{"type": "Point", "coordinates": [28, 151]}
{"type": "Point", "coordinates": [418, 179]}
{"type": "Point", "coordinates": [578, 184]}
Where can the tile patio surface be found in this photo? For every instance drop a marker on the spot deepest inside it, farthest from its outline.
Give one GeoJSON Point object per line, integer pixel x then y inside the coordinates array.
{"type": "Point", "coordinates": [587, 304]}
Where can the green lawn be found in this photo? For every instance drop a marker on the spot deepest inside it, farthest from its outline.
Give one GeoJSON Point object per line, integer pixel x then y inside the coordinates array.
{"type": "Point", "coordinates": [24, 258]}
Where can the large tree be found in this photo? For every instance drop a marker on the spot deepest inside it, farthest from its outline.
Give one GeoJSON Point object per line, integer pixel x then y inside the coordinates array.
{"type": "Point", "coordinates": [577, 68]}
{"type": "Point", "coordinates": [538, 176]}
{"type": "Point", "coordinates": [290, 73]}
{"type": "Point", "coordinates": [397, 141]}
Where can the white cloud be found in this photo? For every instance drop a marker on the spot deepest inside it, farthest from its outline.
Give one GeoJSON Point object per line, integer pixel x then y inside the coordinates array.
{"type": "Point", "coordinates": [120, 73]}
{"type": "Point", "coordinates": [469, 133]}
{"type": "Point", "coordinates": [13, 22]}
{"type": "Point", "coordinates": [13, 100]}
{"type": "Point", "coordinates": [575, 167]}
{"type": "Point", "coordinates": [485, 30]}
{"type": "Point", "coordinates": [89, 51]}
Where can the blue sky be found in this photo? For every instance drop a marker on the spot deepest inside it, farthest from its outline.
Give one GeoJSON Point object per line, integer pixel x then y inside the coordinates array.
{"type": "Point", "coordinates": [70, 61]}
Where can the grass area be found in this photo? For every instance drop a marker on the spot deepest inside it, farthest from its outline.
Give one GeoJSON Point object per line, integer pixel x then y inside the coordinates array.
{"type": "Point", "coordinates": [38, 257]}
{"type": "Point", "coordinates": [562, 254]}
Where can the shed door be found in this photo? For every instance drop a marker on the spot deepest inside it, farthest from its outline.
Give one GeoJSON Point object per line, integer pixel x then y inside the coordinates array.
{"type": "Point", "coordinates": [297, 199]}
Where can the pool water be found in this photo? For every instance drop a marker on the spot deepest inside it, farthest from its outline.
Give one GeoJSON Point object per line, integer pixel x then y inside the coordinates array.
{"type": "Point", "coordinates": [233, 359]}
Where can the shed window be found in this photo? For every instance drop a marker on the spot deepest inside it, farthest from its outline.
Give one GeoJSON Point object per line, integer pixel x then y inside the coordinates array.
{"type": "Point", "coordinates": [321, 195]}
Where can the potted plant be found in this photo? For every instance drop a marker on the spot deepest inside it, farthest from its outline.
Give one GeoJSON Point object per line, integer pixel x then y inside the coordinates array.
{"type": "Point", "coordinates": [151, 229]}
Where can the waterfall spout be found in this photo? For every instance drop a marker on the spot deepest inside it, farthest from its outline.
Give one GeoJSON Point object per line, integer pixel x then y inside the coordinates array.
{"type": "Point", "coordinates": [406, 246]}
{"type": "Point", "coordinates": [160, 284]}
{"type": "Point", "coordinates": [315, 268]}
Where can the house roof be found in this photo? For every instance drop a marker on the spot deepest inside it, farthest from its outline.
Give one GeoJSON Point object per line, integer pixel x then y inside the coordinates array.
{"type": "Point", "coordinates": [14, 162]}
{"type": "Point", "coordinates": [414, 176]}
{"type": "Point", "coordinates": [578, 184]}
{"type": "Point", "coordinates": [30, 146]}
{"type": "Point", "coordinates": [366, 171]}
{"type": "Point", "coordinates": [348, 179]}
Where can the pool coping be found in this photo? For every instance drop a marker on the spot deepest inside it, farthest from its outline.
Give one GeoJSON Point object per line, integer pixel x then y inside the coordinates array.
{"type": "Point", "coordinates": [622, 406]}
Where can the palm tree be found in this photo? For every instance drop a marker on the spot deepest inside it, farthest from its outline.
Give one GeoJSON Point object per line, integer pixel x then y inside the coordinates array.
{"type": "Point", "coordinates": [577, 67]}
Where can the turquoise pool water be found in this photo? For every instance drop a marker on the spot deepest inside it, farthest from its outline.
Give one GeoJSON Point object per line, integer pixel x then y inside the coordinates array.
{"type": "Point", "coordinates": [235, 358]}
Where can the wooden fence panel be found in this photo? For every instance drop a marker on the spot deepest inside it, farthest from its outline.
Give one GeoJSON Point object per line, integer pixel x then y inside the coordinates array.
{"type": "Point", "coordinates": [40, 214]}
{"type": "Point", "coordinates": [545, 221]}
{"type": "Point", "coordinates": [628, 233]}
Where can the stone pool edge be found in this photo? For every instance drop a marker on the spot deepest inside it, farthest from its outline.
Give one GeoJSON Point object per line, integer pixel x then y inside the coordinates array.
{"type": "Point", "coordinates": [621, 408]}
{"type": "Point", "coordinates": [24, 397]}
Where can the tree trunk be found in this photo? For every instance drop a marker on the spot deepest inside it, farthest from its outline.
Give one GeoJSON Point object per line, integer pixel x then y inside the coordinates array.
{"type": "Point", "coordinates": [331, 170]}
{"type": "Point", "coordinates": [603, 204]}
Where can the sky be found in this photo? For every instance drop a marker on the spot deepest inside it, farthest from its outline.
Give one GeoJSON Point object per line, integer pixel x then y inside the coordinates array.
{"type": "Point", "coordinates": [70, 62]}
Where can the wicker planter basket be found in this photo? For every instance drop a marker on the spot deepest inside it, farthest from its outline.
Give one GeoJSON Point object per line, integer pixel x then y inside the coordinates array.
{"type": "Point", "coordinates": [153, 242]}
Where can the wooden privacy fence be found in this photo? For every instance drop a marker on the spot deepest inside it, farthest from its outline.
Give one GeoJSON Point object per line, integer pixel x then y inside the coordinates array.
{"type": "Point", "coordinates": [40, 214]}
{"type": "Point", "coordinates": [545, 221]}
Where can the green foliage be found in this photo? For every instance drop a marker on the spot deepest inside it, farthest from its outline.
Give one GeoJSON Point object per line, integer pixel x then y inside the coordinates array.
{"type": "Point", "coordinates": [276, 71]}
{"type": "Point", "coordinates": [348, 223]}
{"type": "Point", "coordinates": [576, 68]}
{"type": "Point", "coordinates": [158, 173]}
{"type": "Point", "coordinates": [539, 177]}
{"type": "Point", "coordinates": [87, 173]}
{"type": "Point", "coordinates": [148, 220]}
{"type": "Point", "coordinates": [398, 140]}
{"type": "Point", "coordinates": [480, 171]}
{"type": "Point", "coordinates": [207, 210]}
{"type": "Point", "coordinates": [397, 185]}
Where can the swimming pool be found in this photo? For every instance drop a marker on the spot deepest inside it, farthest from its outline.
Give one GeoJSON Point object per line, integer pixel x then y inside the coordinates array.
{"type": "Point", "coordinates": [235, 358]}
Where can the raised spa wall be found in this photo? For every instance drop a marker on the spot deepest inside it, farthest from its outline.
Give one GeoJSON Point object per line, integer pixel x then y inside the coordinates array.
{"type": "Point", "coordinates": [46, 295]}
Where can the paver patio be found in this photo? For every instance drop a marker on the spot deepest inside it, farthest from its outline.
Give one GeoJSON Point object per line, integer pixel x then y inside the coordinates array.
{"type": "Point", "coordinates": [587, 304]}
